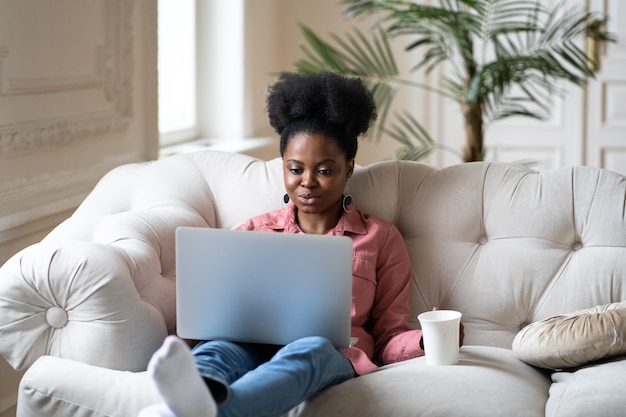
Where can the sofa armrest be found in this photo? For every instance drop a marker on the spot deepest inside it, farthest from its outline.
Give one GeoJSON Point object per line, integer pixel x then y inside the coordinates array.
{"type": "Point", "coordinates": [79, 300]}
{"type": "Point", "coordinates": [100, 288]}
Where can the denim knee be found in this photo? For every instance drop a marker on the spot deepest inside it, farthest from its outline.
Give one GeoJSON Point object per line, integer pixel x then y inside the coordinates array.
{"type": "Point", "coordinates": [222, 360]}
{"type": "Point", "coordinates": [315, 350]}
{"type": "Point", "coordinates": [308, 344]}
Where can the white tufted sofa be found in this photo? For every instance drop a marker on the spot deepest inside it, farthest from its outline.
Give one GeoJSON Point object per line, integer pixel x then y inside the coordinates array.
{"type": "Point", "coordinates": [85, 308]}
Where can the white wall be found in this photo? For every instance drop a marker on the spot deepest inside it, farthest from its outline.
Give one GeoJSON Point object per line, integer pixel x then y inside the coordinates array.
{"type": "Point", "coordinates": [77, 97]}
{"type": "Point", "coordinates": [272, 45]}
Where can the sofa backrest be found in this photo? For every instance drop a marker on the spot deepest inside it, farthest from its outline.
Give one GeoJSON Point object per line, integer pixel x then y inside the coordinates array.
{"type": "Point", "coordinates": [501, 243]}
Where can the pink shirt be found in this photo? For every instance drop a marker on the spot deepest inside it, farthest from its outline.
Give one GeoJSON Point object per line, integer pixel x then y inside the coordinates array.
{"type": "Point", "coordinates": [381, 275]}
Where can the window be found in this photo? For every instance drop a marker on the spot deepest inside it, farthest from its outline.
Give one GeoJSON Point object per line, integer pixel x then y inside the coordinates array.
{"type": "Point", "coordinates": [200, 70]}
{"type": "Point", "coordinates": [177, 71]}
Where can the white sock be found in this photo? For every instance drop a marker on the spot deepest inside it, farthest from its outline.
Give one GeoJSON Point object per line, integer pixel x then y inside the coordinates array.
{"type": "Point", "coordinates": [174, 372]}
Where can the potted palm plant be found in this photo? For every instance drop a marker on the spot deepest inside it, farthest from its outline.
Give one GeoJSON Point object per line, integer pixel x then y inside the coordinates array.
{"type": "Point", "coordinates": [496, 59]}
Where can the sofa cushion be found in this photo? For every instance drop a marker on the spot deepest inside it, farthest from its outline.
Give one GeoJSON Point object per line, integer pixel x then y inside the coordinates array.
{"type": "Point", "coordinates": [488, 381]}
{"type": "Point", "coordinates": [571, 392]}
{"type": "Point", "coordinates": [574, 339]}
{"type": "Point", "coordinates": [59, 387]}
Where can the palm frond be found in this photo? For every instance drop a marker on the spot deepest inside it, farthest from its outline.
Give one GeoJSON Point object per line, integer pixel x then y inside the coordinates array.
{"type": "Point", "coordinates": [552, 39]}
{"type": "Point", "coordinates": [416, 142]}
{"type": "Point", "coordinates": [503, 58]}
{"type": "Point", "coordinates": [513, 86]}
{"type": "Point", "coordinates": [502, 17]}
{"type": "Point", "coordinates": [557, 45]}
{"type": "Point", "coordinates": [444, 32]}
{"type": "Point", "coordinates": [372, 60]}
{"type": "Point", "coordinates": [453, 87]}
{"type": "Point", "coordinates": [522, 78]}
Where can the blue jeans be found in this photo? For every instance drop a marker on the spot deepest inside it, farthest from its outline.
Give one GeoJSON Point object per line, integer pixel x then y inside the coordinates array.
{"type": "Point", "coordinates": [265, 380]}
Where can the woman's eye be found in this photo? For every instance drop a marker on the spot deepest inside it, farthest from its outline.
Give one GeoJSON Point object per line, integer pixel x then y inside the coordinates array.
{"type": "Point", "coordinates": [325, 171]}
{"type": "Point", "coordinates": [295, 171]}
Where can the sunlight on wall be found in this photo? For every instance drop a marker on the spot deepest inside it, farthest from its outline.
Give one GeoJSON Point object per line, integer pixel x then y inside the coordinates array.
{"type": "Point", "coordinates": [229, 72]}
{"type": "Point", "coordinates": [177, 68]}
{"type": "Point", "coordinates": [201, 88]}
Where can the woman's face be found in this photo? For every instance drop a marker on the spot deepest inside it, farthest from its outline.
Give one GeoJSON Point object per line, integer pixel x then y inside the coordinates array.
{"type": "Point", "coordinates": [315, 171]}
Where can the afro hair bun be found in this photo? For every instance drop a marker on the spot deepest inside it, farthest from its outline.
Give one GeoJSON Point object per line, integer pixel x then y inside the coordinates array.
{"type": "Point", "coordinates": [325, 98]}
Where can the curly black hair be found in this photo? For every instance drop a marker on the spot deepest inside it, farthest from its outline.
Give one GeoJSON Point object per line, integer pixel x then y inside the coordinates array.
{"type": "Point", "coordinates": [325, 103]}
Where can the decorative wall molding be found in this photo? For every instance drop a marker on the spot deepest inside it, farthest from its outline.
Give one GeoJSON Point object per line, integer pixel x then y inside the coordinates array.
{"type": "Point", "coordinates": [54, 194]}
{"type": "Point", "coordinates": [113, 75]}
{"type": "Point", "coordinates": [14, 86]}
{"type": "Point", "coordinates": [52, 133]}
{"type": "Point", "coordinates": [613, 158]}
{"type": "Point", "coordinates": [613, 98]}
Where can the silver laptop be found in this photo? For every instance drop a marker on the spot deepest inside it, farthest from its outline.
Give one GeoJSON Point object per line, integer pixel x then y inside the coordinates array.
{"type": "Point", "coordinates": [262, 287]}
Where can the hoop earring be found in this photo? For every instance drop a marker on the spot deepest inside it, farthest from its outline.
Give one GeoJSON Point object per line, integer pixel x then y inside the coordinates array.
{"type": "Point", "coordinates": [347, 201]}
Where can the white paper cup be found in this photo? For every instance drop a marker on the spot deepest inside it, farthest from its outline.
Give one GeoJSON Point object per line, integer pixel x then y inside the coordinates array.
{"type": "Point", "coordinates": [440, 332]}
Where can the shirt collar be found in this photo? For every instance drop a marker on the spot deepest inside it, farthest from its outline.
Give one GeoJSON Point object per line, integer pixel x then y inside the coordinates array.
{"type": "Point", "coordinates": [285, 220]}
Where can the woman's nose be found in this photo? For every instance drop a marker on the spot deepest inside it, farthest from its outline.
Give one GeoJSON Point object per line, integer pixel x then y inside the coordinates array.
{"type": "Point", "coordinates": [309, 180]}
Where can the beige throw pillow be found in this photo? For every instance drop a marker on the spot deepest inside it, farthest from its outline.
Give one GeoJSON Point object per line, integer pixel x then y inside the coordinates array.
{"type": "Point", "coordinates": [574, 339]}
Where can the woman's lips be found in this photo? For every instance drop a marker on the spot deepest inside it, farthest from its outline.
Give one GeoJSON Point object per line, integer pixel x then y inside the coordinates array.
{"type": "Point", "coordinates": [308, 198]}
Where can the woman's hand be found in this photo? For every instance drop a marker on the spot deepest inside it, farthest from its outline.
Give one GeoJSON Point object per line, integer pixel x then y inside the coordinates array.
{"type": "Point", "coordinates": [461, 329]}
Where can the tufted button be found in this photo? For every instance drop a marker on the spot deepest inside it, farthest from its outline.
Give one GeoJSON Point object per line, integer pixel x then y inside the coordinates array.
{"type": "Point", "coordinates": [577, 246]}
{"type": "Point", "coordinates": [482, 239]}
{"type": "Point", "coordinates": [56, 317]}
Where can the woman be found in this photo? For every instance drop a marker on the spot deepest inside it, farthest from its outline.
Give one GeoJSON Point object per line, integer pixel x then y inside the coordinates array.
{"type": "Point", "coordinates": [319, 118]}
